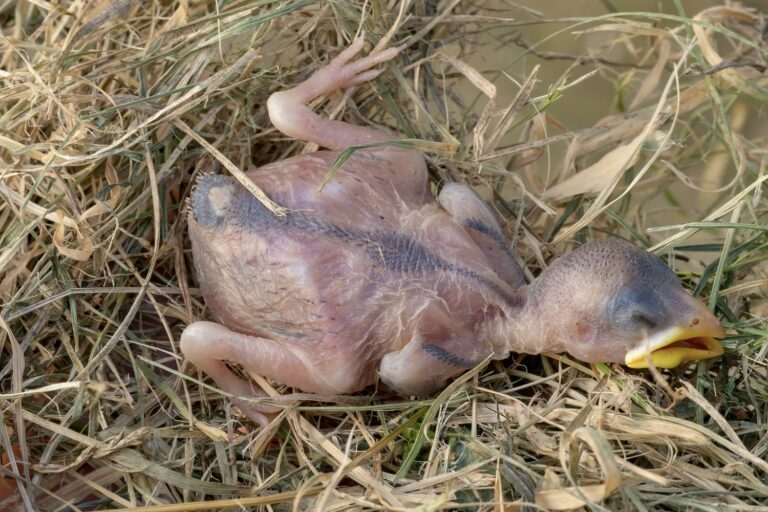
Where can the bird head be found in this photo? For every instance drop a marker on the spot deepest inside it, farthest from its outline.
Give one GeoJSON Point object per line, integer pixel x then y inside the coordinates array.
{"type": "Point", "coordinates": [609, 301]}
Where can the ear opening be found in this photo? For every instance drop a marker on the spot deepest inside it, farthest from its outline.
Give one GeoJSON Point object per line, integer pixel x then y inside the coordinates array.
{"type": "Point", "coordinates": [583, 330]}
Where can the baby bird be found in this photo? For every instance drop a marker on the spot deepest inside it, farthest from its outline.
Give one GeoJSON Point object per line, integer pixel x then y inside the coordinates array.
{"type": "Point", "coordinates": [375, 278]}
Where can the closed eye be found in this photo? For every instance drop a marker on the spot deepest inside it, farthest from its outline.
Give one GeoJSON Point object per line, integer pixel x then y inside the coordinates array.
{"type": "Point", "coordinates": [644, 319]}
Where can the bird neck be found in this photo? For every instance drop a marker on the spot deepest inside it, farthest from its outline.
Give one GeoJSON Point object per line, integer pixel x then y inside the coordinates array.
{"type": "Point", "coordinates": [523, 328]}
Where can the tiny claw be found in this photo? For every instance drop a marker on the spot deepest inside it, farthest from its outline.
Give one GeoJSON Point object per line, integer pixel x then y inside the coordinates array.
{"type": "Point", "coordinates": [254, 415]}
{"type": "Point", "coordinates": [372, 60]}
{"type": "Point", "coordinates": [366, 76]}
{"type": "Point", "coordinates": [350, 51]}
{"type": "Point", "coordinates": [388, 54]}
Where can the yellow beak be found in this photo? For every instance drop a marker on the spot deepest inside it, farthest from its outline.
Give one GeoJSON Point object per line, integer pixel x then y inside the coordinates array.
{"type": "Point", "coordinates": [677, 345]}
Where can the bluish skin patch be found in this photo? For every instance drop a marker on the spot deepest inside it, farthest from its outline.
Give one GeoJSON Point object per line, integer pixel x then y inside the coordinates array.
{"type": "Point", "coordinates": [203, 211]}
{"type": "Point", "coordinates": [404, 254]}
{"type": "Point", "coordinates": [446, 357]}
{"type": "Point", "coordinates": [394, 251]}
{"type": "Point", "coordinates": [482, 227]}
{"type": "Point", "coordinates": [287, 332]}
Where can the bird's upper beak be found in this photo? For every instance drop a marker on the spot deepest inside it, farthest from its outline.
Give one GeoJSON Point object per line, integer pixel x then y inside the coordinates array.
{"type": "Point", "coordinates": [693, 339]}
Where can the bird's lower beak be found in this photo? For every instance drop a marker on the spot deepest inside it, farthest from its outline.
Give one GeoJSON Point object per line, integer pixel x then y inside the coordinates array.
{"type": "Point", "coordinates": [677, 345]}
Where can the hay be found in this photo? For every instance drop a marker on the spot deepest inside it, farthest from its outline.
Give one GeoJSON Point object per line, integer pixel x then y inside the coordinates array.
{"type": "Point", "coordinates": [108, 111]}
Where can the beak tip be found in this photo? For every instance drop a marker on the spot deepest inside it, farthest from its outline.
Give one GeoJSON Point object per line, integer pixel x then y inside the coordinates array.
{"type": "Point", "coordinates": [659, 352]}
{"type": "Point", "coordinates": [705, 320]}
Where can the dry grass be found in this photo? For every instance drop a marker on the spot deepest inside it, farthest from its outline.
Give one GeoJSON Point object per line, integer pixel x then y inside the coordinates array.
{"type": "Point", "coordinates": [109, 109]}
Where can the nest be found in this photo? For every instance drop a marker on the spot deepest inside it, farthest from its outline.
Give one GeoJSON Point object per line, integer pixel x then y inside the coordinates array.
{"type": "Point", "coordinates": [649, 126]}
